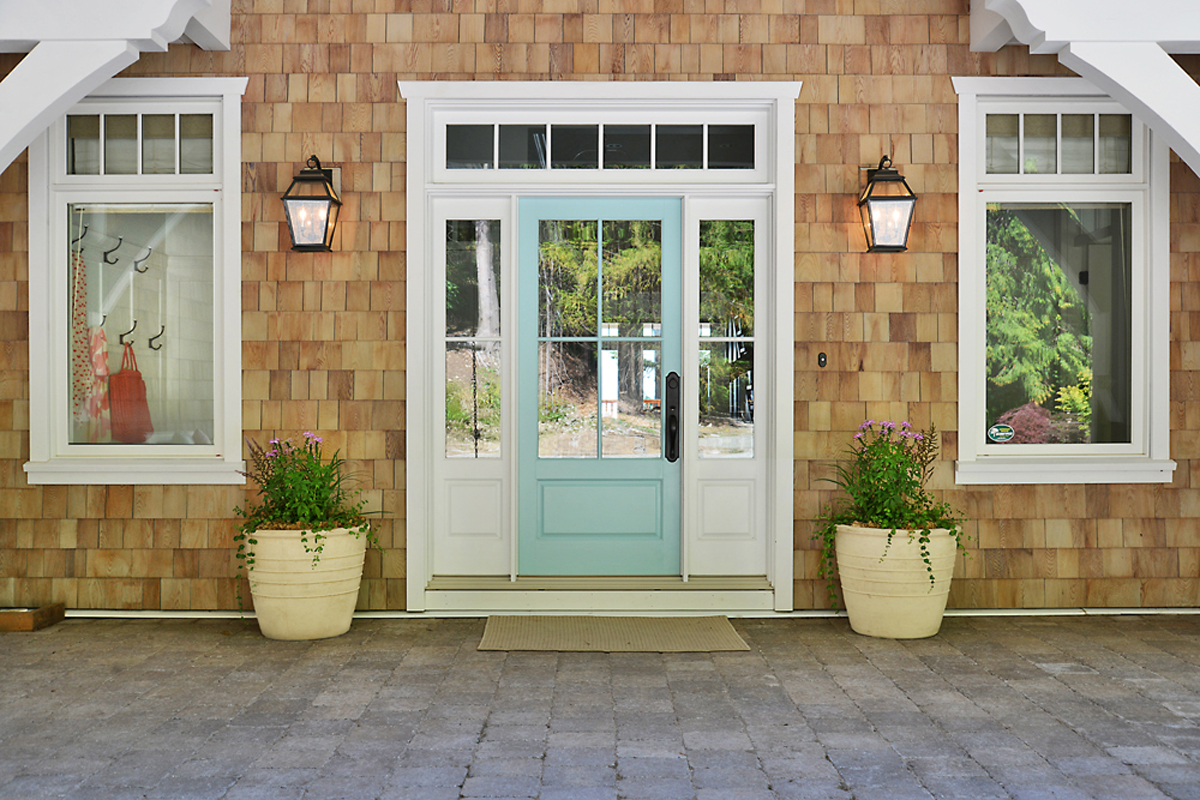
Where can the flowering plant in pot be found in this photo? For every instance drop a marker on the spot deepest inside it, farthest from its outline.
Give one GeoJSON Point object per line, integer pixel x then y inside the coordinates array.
{"type": "Point", "coordinates": [889, 542]}
{"type": "Point", "coordinates": [302, 542]}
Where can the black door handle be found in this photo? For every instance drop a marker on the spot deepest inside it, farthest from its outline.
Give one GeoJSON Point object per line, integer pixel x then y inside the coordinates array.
{"type": "Point", "coordinates": [672, 414]}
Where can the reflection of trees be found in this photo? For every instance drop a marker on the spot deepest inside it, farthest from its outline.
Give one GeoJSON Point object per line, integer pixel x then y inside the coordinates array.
{"type": "Point", "coordinates": [727, 306]}
{"type": "Point", "coordinates": [570, 300]}
{"type": "Point", "coordinates": [1039, 343]}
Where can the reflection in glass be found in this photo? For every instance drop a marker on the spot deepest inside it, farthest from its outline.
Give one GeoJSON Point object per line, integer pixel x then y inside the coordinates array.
{"type": "Point", "coordinates": [567, 400]}
{"type": "Point", "coordinates": [469, 147]}
{"type": "Point", "coordinates": [473, 399]}
{"type": "Point", "coordinates": [1059, 331]}
{"type": "Point", "coordinates": [727, 277]}
{"type": "Point", "coordinates": [83, 144]}
{"type": "Point", "coordinates": [575, 146]}
{"type": "Point", "coordinates": [731, 147]}
{"type": "Point", "coordinates": [630, 402]}
{"type": "Point", "coordinates": [160, 289]}
{"type": "Point", "coordinates": [120, 144]}
{"type": "Point", "coordinates": [473, 277]}
{"type": "Point", "coordinates": [1116, 144]}
{"type": "Point", "coordinates": [627, 146]}
{"type": "Point", "coordinates": [1078, 144]}
{"type": "Point", "coordinates": [158, 144]}
{"type": "Point", "coordinates": [567, 273]}
{"type": "Point", "coordinates": [726, 397]}
{"type": "Point", "coordinates": [1041, 144]}
{"type": "Point", "coordinates": [632, 276]}
{"type": "Point", "coordinates": [679, 146]}
{"type": "Point", "coordinates": [522, 147]}
{"type": "Point", "coordinates": [196, 144]}
{"type": "Point", "coordinates": [1002, 144]}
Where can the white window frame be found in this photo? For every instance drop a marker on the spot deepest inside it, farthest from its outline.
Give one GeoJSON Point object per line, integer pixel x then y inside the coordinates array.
{"type": "Point", "coordinates": [53, 459]}
{"type": "Point", "coordinates": [1146, 459]}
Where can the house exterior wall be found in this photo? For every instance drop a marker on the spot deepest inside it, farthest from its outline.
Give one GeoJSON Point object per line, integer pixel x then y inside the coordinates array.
{"type": "Point", "coordinates": [324, 333]}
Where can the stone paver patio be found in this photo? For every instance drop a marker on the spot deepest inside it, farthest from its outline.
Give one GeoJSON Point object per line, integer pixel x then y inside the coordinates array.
{"type": "Point", "coordinates": [993, 707]}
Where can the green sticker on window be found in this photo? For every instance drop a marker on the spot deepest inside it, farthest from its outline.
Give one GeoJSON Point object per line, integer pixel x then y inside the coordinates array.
{"type": "Point", "coordinates": [1001, 432]}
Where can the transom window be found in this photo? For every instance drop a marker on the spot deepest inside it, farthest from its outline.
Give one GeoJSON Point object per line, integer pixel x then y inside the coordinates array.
{"type": "Point", "coordinates": [599, 146]}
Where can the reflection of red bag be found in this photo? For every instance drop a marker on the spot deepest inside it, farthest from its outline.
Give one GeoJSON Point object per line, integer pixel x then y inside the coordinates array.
{"type": "Point", "coordinates": [127, 402]}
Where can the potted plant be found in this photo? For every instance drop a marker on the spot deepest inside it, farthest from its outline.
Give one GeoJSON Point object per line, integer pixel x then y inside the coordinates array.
{"type": "Point", "coordinates": [891, 543]}
{"type": "Point", "coordinates": [303, 542]}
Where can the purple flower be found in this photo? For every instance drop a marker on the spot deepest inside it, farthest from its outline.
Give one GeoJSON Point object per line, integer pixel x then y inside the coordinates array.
{"type": "Point", "coordinates": [858, 436]}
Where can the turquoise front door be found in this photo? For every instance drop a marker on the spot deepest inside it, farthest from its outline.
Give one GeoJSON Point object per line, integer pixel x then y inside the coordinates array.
{"type": "Point", "coordinates": [599, 340]}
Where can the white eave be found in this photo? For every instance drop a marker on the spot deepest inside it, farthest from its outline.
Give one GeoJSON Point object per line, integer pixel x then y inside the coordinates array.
{"type": "Point", "coordinates": [74, 46]}
{"type": "Point", "coordinates": [1123, 49]}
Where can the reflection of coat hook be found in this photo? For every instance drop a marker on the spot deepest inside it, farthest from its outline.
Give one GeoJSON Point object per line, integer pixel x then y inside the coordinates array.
{"type": "Point", "coordinates": [161, 330]}
{"type": "Point", "coordinates": [107, 253]}
{"type": "Point", "coordinates": [80, 237]}
{"type": "Point", "coordinates": [121, 340]}
{"type": "Point", "coordinates": [137, 263]}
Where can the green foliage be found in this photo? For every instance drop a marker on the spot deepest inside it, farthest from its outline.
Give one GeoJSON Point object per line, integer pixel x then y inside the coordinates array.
{"type": "Point", "coordinates": [1038, 329]}
{"type": "Point", "coordinates": [298, 491]}
{"type": "Point", "coordinates": [884, 484]}
{"type": "Point", "coordinates": [727, 272]}
{"type": "Point", "coordinates": [474, 413]}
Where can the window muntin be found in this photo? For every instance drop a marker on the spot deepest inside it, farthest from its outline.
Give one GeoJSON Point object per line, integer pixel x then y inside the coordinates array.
{"type": "Point", "coordinates": [473, 341]}
{"type": "Point", "coordinates": [1059, 323]}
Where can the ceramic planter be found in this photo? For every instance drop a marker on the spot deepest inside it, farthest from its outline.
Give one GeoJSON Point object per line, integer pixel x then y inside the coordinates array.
{"type": "Point", "coordinates": [295, 599]}
{"type": "Point", "coordinates": [890, 596]}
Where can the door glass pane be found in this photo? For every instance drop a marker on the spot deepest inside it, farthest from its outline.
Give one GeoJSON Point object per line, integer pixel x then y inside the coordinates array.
{"type": "Point", "coordinates": [567, 400]}
{"type": "Point", "coordinates": [83, 144]}
{"type": "Point", "coordinates": [1078, 144]}
{"type": "Point", "coordinates": [1041, 144]}
{"type": "Point", "coordinates": [632, 277]}
{"type": "Point", "coordinates": [631, 413]}
{"type": "Point", "coordinates": [567, 273]}
{"type": "Point", "coordinates": [1002, 144]}
{"type": "Point", "coordinates": [1116, 144]}
{"type": "Point", "coordinates": [147, 272]}
{"type": "Point", "coordinates": [726, 278]}
{"type": "Point", "coordinates": [158, 144]}
{"type": "Point", "coordinates": [1059, 333]}
{"type": "Point", "coordinates": [575, 146]}
{"type": "Point", "coordinates": [627, 146]}
{"type": "Point", "coordinates": [679, 146]}
{"type": "Point", "coordinates": [120, 144]}
{"type": "Point", "coordinates": [522, 147]}
{"type": "Point", "coordinates": [473, 277]}
{"type": "Point", "coordinates": [731, 147]}
{"type": "Point", "coordinates": [469, 147]}
{"type": "Point", "coordinates": [473, 399]}
{"type": "Point", "coordinates": [726, 397]}
{"type": "Point", "coordinates": [196, 144]}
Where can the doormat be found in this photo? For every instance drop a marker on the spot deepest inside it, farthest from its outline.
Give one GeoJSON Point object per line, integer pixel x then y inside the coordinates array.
{"type": "Point", "coordinates": [611, 634]}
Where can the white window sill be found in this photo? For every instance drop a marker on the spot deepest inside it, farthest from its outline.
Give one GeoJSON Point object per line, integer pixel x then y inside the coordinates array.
{"type": "Point", "coordinates": [1062, 470]}
{"type": "Point", "coordinates": [135, 471]}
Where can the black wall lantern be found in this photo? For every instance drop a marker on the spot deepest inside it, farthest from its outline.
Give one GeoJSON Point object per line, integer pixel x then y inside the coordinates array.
{"type": "Point", "coordinates": [311, 206]}
{"type": "Point", "coordinates": [886, 206]}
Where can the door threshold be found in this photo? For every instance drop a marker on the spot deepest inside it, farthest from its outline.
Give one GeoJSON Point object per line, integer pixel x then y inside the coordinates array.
{"type": "Point", "coordinates": [598, 583]}
{"type": "Point", "coordinates": [483, 595]}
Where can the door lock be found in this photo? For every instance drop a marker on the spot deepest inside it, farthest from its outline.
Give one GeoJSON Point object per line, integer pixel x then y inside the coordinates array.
{"type": "Point", "coordinates": [672, 417]}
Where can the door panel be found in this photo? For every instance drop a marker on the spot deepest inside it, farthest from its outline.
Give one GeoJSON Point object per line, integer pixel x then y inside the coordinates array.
{"type": "Point", "coordinates": [598, 328]}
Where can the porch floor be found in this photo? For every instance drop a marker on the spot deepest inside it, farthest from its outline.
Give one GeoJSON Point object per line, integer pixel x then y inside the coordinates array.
{"type": "Point", "coordinates": [996, 707]}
